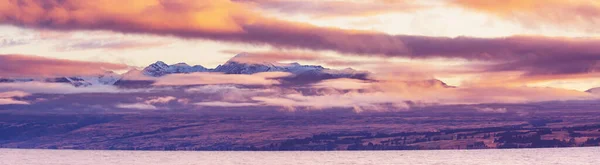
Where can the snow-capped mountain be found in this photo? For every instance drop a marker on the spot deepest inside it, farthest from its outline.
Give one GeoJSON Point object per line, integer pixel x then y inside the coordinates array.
{"type": "Point", "coordinates": [240, 65]}
{"type": "Point", "coordinates": [302, 74]}
{"type": "Point", "coordinates": [233, 67]}
{"type": "Point", "coordinates": [160, 69]}
{"type": "Point", "coordinates": [75, 81]}
{"type": "Point", "coordinates": [108, 78]}
{"type": "Point", "coordinates": [12, 80]}
{"type": "Point", "coordinates": [237, 66]}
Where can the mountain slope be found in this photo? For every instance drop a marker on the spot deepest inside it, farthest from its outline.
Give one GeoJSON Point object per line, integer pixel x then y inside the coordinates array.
{"type": "Point", "coordinates": [160, 69]}
{"type": "Point", "coordinates": [239, 65]}
{"type": "Point", "coordinates": [301, 74]}
{"type": "Point", "coordinates": [107, 78]}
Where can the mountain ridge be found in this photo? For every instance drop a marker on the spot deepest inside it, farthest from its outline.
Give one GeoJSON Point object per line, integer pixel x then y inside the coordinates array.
{"type": "Point", "coordinates": [302, 74]}
{"type": "Point", "coordinates": [160, 68]}
{"type": "Point", "coordinates": [239, 65]}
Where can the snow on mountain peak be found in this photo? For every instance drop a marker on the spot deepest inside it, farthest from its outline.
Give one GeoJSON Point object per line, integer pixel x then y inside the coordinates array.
{"type": "Point", "coordinates": [244, 63]}
{"type": "Point", "coordinates": [108, 78]}
{"type": "Point", "coordinates": [233, 66]}
{"type": "Point", "coordinates": [159, 64]}
{"type": "Point", "coordinates": [160, 68]}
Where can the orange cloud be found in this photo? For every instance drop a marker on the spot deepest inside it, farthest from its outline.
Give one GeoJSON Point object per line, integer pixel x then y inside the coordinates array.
{"type": "Point", "coordinates": [183, 15]}
{"type": "Point", "coordinates": [336, 8]}
{"type": "Point", "coordinates": [35, 66]}
{"type": "Point", "coordinates": [564, 14]}
{"type": "Point", "coordinates": [216, 19]}
{"type": "Point", "coordinates": [232, 21]}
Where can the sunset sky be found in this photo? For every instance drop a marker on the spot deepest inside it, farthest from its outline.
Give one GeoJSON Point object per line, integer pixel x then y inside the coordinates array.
{"type": "Point", "coordinates": [530, 48]}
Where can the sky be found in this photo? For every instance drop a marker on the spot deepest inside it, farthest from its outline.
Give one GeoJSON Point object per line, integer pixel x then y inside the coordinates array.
{"type": "Point", "coordinates": [474, 44]}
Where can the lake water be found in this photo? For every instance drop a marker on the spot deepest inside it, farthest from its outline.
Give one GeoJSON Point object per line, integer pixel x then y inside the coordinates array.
{"type": "Point", "coordinates": [571, 156]}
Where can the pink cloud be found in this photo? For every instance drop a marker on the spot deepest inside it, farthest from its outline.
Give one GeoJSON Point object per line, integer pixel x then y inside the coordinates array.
{"type": "Point", "coordinates": [201, 78]}
{"type": "Point", "coordinates": [356, 101]}
{"type": "Point", "coordinates": [491, 110]}
{"type": "Point", "coordinates": [225, 104]}
{"type": "Point", "coordinates": [232, 93]}
{"type": "Point", "coordinates": [334, 8]}
{"type": "Point", "coordinates": [10, 94]}
{"type": "Point", "coordinates": [594, 91]}
{"type": "Point", "coordinates": [8, 101]}
{"type": "Point", "coordinates": [139, 106]}
{"type": "Point", "coordinates": [35, 66]}
{"type": "Point", "coordinates": [394, 94]}
{"type": "Point", "coordinates": [161, 100]}
{"type": "Point", "coordinates": [232, 21]}
{"type": "Point", "coordinates": [62, 88]}
{"type": "Point", "coordinates": [582, 15]}
{"type": "Point", "coordinates": [8, 98]}
{"type": "Point", "coordinates": [343, 84]}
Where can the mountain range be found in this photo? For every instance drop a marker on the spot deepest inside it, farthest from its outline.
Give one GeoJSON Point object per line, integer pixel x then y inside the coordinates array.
{"type": "Point", "coordinates": [301, 73]}
{"type": "Point", "coordinates": [237, 66]}
{"type": "Point", "coordinates": [108, 78]}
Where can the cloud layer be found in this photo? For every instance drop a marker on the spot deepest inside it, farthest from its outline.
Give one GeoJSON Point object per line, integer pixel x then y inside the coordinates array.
{"type": "Point", "coordinates": [583, 15]}
{"type": "Point", "coordinates": [505, 65]}
{"type": "Point", "coordinates": [8, 98]}
{"type": "Point", "coordinates": [335, 8]}
{"type": "Point", "coordinates": [202, 78]}
{"type": "Point", "coordinates": [35, 66]}
{"type": "Point", "coordinates": [224, 20]}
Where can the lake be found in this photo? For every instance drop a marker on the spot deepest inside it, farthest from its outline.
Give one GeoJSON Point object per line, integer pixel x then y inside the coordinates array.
{"type": "Point", "coordinates": [571, 156]}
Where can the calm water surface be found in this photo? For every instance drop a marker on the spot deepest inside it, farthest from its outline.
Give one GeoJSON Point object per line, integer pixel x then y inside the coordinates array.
{"type": "Point", "coordinates": [571, 156]}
